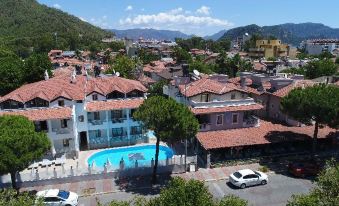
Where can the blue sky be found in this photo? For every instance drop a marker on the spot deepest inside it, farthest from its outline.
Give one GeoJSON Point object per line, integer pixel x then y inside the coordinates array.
{"type": "Point", "coordinates": [197, 16]}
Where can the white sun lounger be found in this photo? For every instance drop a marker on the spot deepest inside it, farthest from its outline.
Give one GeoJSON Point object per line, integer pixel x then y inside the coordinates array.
{"type": "Point", "coordinates": [61, 160]}
{"type": "Point", "coordinates": [46, 162]}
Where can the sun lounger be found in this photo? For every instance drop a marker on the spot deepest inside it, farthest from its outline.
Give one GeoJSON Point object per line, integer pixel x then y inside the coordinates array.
{"type": "Point", "coordinates": [61, 160]}
{"type": "Point", "coordinates": [46, 162]}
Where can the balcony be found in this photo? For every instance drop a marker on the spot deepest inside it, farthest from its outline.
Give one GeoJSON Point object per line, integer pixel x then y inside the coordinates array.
{"type": "Point", "coordinates": [96, 122]}
{"type": "Point", "coordinates": [61, 130]}
{"type": "Point", "coordinates": [251, 121]}
{"type": "Point", "coordinates": [118, 120]}
{"type": "Point", "coordinates": [222, 103]}
{"type": "Point", "coordinates": [205, 127]}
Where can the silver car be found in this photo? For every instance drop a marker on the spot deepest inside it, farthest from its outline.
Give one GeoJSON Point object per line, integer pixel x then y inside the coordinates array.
{"type": "Point", "coordinates": [246, 177]}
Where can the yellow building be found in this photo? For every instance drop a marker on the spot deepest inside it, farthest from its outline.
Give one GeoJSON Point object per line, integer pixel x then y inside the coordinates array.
{"type": "Point", "coordinates": [271, 48]}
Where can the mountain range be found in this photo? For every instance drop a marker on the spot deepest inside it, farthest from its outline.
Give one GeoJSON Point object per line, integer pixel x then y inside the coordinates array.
{"type": "Point", "coordinates": [289, 33]}
{"type": "Point", "coordinates": [135, 34]}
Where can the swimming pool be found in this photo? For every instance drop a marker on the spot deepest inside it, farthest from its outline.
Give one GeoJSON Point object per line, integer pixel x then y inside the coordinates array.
{"type": "Point", "coordinates": [143, 154]}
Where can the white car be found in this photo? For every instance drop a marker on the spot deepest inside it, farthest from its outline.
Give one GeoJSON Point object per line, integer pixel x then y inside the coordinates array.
{"type": "Point", "coordinates": [246, 177]}
{"type": "Point", "coordinates": [55, 197]}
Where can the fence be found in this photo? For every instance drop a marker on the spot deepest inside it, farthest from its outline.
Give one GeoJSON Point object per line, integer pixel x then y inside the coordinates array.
{"type": "Point", "coordinates": [73, 173]}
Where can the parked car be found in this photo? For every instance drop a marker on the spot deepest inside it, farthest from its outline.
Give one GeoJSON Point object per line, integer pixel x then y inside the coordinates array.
{"type": "Point", "coordinates": [246, 177]}
{"type": "Point", "coordinates": [304, 169]}
{"type": "Point", "coordinates": [57, 197]}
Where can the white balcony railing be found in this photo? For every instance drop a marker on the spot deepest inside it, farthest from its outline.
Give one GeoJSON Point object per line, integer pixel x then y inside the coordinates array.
{"type": "Point", "coordinates": [222, 103]}
{"type": "Point", "coordinates": [62, 130]}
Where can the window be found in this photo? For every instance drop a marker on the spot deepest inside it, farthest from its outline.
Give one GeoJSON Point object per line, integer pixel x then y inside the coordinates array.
{"type": "Point", "coordinates": [205, 98]}
{"type": "Point", "coordinates": [117, 114]}
{"type": "Point", "coordinates": [94, 97]}
{"type": "Point", "coordinates": [243, 95]}
{"type": "Point", "coordinates": [116, 132]}
{"type": "Point", "coordinates": [63, 194]}
{"type": "Point", "coordinates": [51, 199]}
{"type": "Point", "coordinates": [65, 142]}
{"type": "Point", "coordinates": [63, 123]}
{"type": "Point", "coordinates": [220, 119]}
{"type": "Point", "coordinates": [234, 118]}
{"type": "Point", "coordinates": [98, 133]}
{"type": "Point", "coordinates": [81, 118]}
{"type": "Point", "coordinates": [135, 130]}
{"type": "Point", "coordinates": [233, 96]}
{"type": "Point", "coordinates": [96, 115]}
{"type": "Point", "coordinates": [61, 103]}
{"type": "Point", "coordinates": [79, 101]}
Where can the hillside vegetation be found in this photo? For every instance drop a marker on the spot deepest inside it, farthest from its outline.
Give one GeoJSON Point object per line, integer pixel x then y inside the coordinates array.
{"type": "Point", "coordinates": [26, 23]}
{"type": "Point", "coordinates": [288, 33]}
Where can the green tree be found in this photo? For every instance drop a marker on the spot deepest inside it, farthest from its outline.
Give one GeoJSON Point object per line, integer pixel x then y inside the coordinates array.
{"type": "Point", "coordinates": [325, 193]}
{"type": "Point", "coordinates": [157, 88]}
{"type": "Point", "coordinates": [337, 60]}
{"type": "Point", "coordinates": [9, 197]}
{"type": "Point", "coordinates": [202, 67]}
{"type": "Point", "coordinates": [319, 68]}
{"type": "Point", "coordinates": [232, 200]}
{"type": "Point", "coordinates": [11, 74]}
{"type": "Point", "coordinates": [181, 55]}
{"type": "Point", "coordinates": [127, 67]}
{"type": "Point", "coordinates": [326, 55]}
{"type": "Point", "coordinates": [20, 144]}
{"type": "Point", "coordinates": [147, 57]}
{"type": "Point", "coordinates": [182, 192]}
{"type": "Point", "coordinates": [170, 121]}
{"type": "Point", "coordinates": [35, 67]}
{"type": "Point", "coordinates": [116, 45]}
{"type": "Point", "coordinates": [318, 104]}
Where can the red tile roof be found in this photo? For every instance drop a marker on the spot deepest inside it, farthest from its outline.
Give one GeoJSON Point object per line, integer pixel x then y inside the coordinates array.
{"type": "Point", "coordinates": [266, 133]}
{"type": "Point", "coordinates": [296, 84]}
{"type": "Point", "coordinates": [226, 109]}
{"type": "Point", "coordinates": [145, 80]}
{"type": "Point", "coordinates": [42, 113]}
{"type": "Point", "coordinates": [207, 85]}
{"type": "Point", "coordinates": [114, 104]}
{"type": "Point", "coordinates": [61, 86]}
{"type": "Point", "coordinates": [155, 66]}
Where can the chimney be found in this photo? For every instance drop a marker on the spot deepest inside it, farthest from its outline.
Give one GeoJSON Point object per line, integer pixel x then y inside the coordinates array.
{"type": "Point", "coordinates": [243, 76]}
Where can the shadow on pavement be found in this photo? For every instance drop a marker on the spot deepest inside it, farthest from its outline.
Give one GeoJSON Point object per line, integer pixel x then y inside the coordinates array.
{"type": "Point", "coordinates": [141, 185]}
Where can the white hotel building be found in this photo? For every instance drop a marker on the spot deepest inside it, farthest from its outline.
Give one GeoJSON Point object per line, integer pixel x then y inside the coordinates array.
{"type": "Point", "coordinates": [82, 112]}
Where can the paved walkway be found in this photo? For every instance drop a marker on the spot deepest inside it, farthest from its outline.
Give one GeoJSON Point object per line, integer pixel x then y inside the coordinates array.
{"type": "Point", "coordinates": [110, 184]}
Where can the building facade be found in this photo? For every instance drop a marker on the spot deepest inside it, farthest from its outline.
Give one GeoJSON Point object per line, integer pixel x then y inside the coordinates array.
{"type": "Point", "coordinates": [271, 48]}
{"type": "Point", "coordinates": [81, 112]}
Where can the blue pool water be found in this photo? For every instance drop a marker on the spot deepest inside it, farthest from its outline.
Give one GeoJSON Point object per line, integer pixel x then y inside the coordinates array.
{"type": "Point", "coordinates": [143, 154]}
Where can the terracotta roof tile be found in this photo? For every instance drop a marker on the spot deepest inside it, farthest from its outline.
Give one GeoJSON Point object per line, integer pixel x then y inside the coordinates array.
{"type": "Point", "coordinates": [226, 109]}
{"type": "Point", "coordinates": [266, 133]}
{"type": "Point", "coordinates": [61, 86]}
{"type": "Point", "coordinates": [42, 113]}
{"type": "Point", "coordinates": [114, 104]}
{"type": "Point", "coordinates": [296, 84]}
{"type": "Point", "coordinates": [207, 85]}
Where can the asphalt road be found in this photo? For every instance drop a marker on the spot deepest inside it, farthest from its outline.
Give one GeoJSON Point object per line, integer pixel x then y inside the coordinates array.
{"type": "Point", "coordinates": [276, 193]}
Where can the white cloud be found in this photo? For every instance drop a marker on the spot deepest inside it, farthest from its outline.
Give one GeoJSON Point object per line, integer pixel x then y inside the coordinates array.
{"type": "Point", "coordinates": [204, 10]}
{"type": "Point", "coordinates": [129, 8]}
{"type": "Point", "coordinates": [57, 6]}
{"type": "Point", "coordinates": [83, 19]}
{"type": "Point", "coordinates": [176, 19]}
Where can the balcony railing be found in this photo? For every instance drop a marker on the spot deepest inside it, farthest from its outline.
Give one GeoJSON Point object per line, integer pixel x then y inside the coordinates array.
{"type": "Point", "coordinates": [118, 120]}
{"type": "Point", "coordinates": [205, 127]}
{"type": "Point", "coordinates": [251, 121]}
{"type": "Point", "coordinates": [222, 103]}
{"type": "Point", "coordinates": [61, 130]}
{"type": "Point", "coordinates": [96, 122]}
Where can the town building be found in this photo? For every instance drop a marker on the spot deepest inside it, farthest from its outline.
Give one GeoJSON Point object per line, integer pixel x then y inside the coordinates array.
{"type": "Point", "coordinates": [272, 48]}
{"type": "Point", "coordinates": [318, 46]}
{"type": "Point", "coordinates": [80, 112]}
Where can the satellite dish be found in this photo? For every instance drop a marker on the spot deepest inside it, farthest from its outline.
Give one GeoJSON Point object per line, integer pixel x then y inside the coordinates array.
{"type": "Point", "coordinates": [246, 34]}
{"type": "Point", "coordinates": [117, 74]}
{"type": "Point", "coordinates": [196, 72]}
